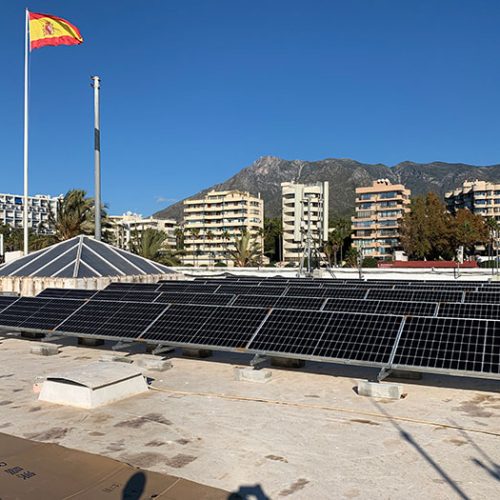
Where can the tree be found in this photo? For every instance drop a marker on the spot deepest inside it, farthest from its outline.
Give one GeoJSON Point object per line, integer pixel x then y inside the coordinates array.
{"type": "Point", "coordinates": [352, 257]}
{"type": "Point", "coordinates": [150, 244]}
{"type": "Point", "coordinates": [273, 231]}
{"type": "Point", "coordinates": [493, 227]}
{"type": "Point", "coordinates": [75, 215]}
{"type": "Point", "coordinates": [341, 228]}
{"type": "Point", "coordinates": [427, 231]}
{"type": "Point", "coordinates": [246, 252]}
{"type": "Point", "coordinates": [470, 230]}
{"type": "Point", "coordinates": [179, 238]}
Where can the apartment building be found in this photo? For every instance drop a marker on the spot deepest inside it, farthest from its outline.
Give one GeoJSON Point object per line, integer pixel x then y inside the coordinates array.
{"type": "Point", "coordinates": [40, 207]}
{"type": "Point", "coordinates": [303, 205]}
{"type": "Point", "coordinates": [379, 211]}
{"type": "Point", "coordinates": [127, 226]}
{"type": "Point", "coordinates": [214, 223]}
{"type": "Point", "coordinates": [480, 197]}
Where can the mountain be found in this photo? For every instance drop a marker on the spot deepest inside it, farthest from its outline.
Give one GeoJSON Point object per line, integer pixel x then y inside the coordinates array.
{"type": "Point", "coordinates": [266, 174]}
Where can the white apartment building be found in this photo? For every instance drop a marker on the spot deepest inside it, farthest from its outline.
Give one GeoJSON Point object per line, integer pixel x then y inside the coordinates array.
{"type": "Point", "coordinates": [125, 227]}
{"type": "Point", "coordinates": [40, 207]}
{"type": "Point", "coordinates": [213, 224]}
{"type": "Point", "coordinates": [303, 205]}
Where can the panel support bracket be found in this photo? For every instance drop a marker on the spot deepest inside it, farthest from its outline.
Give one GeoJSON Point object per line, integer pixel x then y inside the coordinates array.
{"type": "Point", "coordinates": [384, 373]}
{"type": "Point", "coordinates": [257, 361]}
{"type": "Point", "coordinates": [162, 349]}
{"type": "Point", "coordinates": [121, 345]}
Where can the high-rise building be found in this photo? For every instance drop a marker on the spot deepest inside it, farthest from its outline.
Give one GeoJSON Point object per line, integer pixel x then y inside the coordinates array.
{"type": "Point", "coordinates": [480, 197]}
{"type": "Point", "coordinates": [304, 207]}
{"type": "Point", "coordinates": [126, 227]}
{"type": "Point", "coordinates": [214, 223]}
{"type": "Point", "coordinates": [379, 211]}
{"type": "Point", "coordinates": [40, 207]}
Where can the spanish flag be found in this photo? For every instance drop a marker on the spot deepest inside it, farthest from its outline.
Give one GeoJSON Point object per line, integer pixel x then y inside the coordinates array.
{"type": "Point", "coordinates": [48, 30]}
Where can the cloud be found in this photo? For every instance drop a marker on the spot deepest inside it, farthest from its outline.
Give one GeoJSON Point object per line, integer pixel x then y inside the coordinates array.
{"type": "Point", "coordinates": [162, 199]}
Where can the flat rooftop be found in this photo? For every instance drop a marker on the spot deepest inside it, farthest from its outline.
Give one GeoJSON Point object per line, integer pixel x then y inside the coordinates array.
{"type": "Point", "coordinates": [305, 434]}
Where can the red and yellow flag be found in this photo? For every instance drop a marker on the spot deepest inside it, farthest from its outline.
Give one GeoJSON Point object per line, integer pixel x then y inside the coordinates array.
{"type": "Point", "coordinates": [48, 30]}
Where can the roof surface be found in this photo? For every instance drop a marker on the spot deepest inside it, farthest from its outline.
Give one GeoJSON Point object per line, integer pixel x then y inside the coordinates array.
{"type": "Point", "coordinates": [81, 257]}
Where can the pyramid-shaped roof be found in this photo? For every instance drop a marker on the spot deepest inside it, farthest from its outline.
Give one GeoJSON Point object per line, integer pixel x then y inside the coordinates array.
{"type": "Point", "coordinates": [81, 257]}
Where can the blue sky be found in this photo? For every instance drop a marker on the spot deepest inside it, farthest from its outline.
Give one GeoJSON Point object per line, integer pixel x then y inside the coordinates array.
{"type": "Point", "coordinates": [192, 91]}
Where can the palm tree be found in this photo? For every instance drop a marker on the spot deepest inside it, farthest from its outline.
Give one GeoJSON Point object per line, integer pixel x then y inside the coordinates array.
{"type": "Point", "coordinates": [246, 252]}
{"type": "Point", "coordinates": [195, 233]}
{"type": "Point", "coordinates": [493, 227]}
{"type": "Point", "coordinates": [74, 215]}
{"type": "Point", "coordinates": [179, 238]}
{"type": "Point", "coordinates": [150, 244]}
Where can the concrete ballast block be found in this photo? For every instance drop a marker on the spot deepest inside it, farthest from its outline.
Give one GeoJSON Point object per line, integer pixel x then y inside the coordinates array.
{"type": "Point", "coordinates": [251, 375]}
{"type": "Point", "coordinates": [380, 390]}
{"type": "Point", "coordinates": [44, 349]}
{"type": "Point", "coordinates": [152, 363]}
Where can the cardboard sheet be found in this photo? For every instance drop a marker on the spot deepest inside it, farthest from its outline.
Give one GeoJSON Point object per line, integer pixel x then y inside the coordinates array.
{"type": "Point", "coordinates": [30, 470]}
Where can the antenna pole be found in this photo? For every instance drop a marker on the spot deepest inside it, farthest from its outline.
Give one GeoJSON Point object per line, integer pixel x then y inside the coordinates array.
{"type": "Point", "coordinates": [96, 83]}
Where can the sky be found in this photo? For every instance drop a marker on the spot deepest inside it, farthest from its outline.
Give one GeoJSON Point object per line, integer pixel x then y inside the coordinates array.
{"type": "Point", "coordinates": [194, 90]}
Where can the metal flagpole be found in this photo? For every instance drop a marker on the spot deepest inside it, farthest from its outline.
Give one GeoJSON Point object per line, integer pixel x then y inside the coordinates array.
{"type": "Point", "coordinates": [97, 159]}
{"type": "Point", "coordinates": [25, 200]}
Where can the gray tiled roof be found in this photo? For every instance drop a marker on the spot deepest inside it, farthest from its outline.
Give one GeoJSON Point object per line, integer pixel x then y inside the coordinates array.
{"type": "Point", "coordinates": [81, 257]}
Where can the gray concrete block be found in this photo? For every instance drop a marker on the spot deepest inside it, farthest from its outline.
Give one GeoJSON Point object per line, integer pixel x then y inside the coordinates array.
{"type": "Point", "coordinates": [287, 362]}
{"type": "Point", "coordinates": [251, 375]}
{"type": "Point", "coordinates": [152, 363]}
{"type": "Point", "coordinates": [42, 349]}
{"type": "Point", "coordinates": [380, 390]}
{"type": "Point", "coordinates": [197, 353]}
{"type": "Point", "coordinates": [90, 342]}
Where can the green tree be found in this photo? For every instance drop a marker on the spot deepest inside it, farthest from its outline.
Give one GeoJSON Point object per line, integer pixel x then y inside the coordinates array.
{"type": "Point", "coordinates": [493, 228]}
{"type": "Point", "coordinates": [247, 251]}
{"type": "Point", "coordinates": [179, 238]}
{"type": "Point", "coordinates": [428, 230]}
{"type": "Point", "coordinates": [470, 230]}
{"type": "Point", "coordinates": [273, 232]}
{"type": "Point", "coordinates": [74, 215]}
{"type": "Point", "coordinates": [150, 244]}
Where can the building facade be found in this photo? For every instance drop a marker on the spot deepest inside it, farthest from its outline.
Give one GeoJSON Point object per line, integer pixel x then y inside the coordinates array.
{"type": "Point", "coordinates": [304, 207]}
{"type": "Point", "coordinates": [40, 208]}
{"type": "Point", "coordinates": [214, 223]}
{"type": "Point", "coordinates": [379, 211]}
{"type": "Point", "coordinates": [480, 197]}
{"type": "Point", "coordinates": [124, 228]}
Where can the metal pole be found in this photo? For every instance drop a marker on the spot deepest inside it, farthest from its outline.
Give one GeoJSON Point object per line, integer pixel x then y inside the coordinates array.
{"type": "Point", "coordinates": [96, 83]}
{"type": "Point", "coordinates": [25, 198]}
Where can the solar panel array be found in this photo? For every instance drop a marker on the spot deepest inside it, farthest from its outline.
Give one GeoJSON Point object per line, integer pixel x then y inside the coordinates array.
{"type": "Point", "coordinates": [433, 326]}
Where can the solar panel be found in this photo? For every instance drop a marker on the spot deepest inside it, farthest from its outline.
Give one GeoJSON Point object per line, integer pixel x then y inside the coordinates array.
{"type": "Point", "coordinates": [130, 320]}
{"type": "Point", "coordinates": [21, 310]}
{"type": "Point", "coordinates": [255, 300]}
{"type": "Point", "coordinates": [52, 314]}
{"type": "Point", "coordinates": [133, 286]}
{"type": "Point", "coordinates": [126, 295]}
{"type": "Point", "coordinates": [442, 343]}
{"type": "Point", "coordinates": [90, 317]}
{"type": "Point", "coordinates": [313, 303]}
{"type": "Point", "coordinates": [252, 290]}
{"type": "Point", "coordinates": [67, 293]}
{"type": "Point", "coordinates": [487, 296]}
{"type": "Point", "coordinates": [230, 327]}
{"type": "Point", "coordinates": [469, 310]}
{"type": "Point", "coordinates": [38, 313]}
{"type": "Point", "coordinates": [348, 293]}
{"type": "Point", "coordinates": [351, 305]}
{"type": "Point", "coordinates": [291, 332]}
{"type": "Point", "coordinates": [171, 287]}
{"type": "Point", "coordinates": [367, 338]}
{"type": "Point", "coordinates": [416, 295]}
{"type": "Point", "coordinates": [6, 300]}
{"type": "Point", "coordinates": [179, 323]}
{"type": "Point", "coordinates": [406, 308]}
{"type": "Point", "coordinates": [305, 292]}
{"type": "Point", "coordinates": [195, 298]}
{"type": "Point", "coordinates": [201, 288]}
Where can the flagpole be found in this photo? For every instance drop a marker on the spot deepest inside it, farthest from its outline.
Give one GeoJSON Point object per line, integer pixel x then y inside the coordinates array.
{"type": "Point", "coordinates": [25, 212]}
